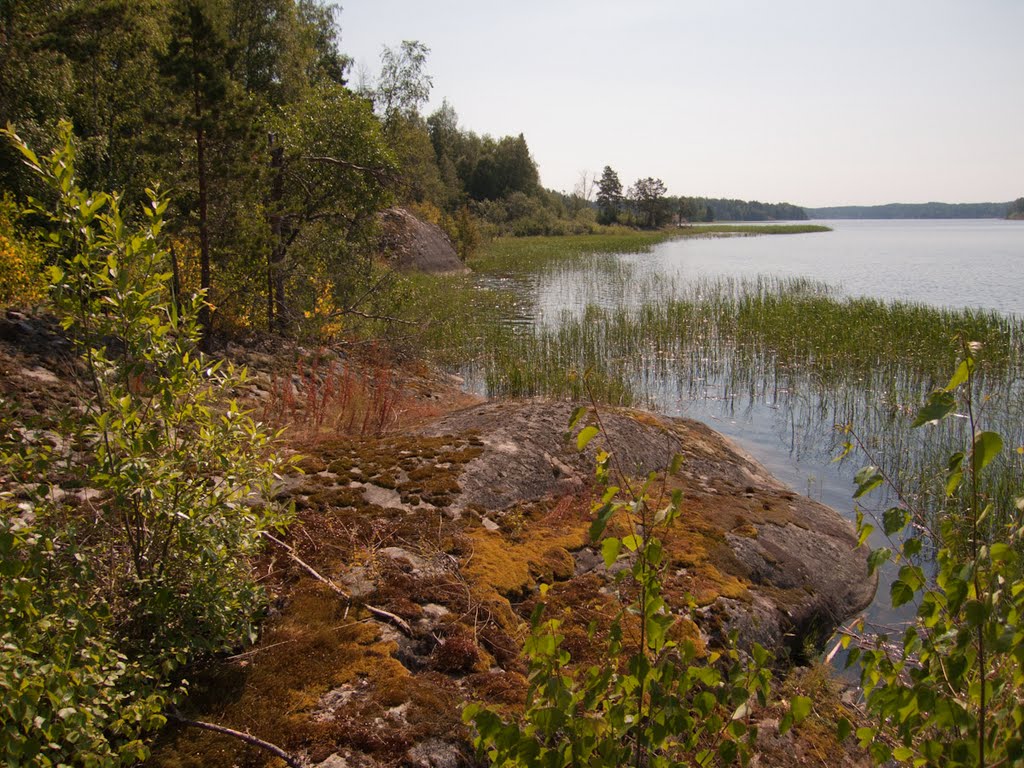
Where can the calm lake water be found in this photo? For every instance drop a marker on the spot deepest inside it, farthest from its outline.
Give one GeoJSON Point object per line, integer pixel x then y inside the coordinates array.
{"type": "Point", "coordinates": [976, 263]}
{"type": "Point", "coordinates": [963, 263]}
{"type": "Point", "coordinates": [955, 263]}
{"type": "Point", "coordinates": [952, 263]}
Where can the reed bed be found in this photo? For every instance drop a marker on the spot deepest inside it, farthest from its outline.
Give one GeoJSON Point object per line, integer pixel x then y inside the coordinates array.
{"type": "Point", "coordinates": [532, 254]}
{"type": "Point", "coordinates": [753, 229]}
{"type": "Point", "coordinates": [821, 359]}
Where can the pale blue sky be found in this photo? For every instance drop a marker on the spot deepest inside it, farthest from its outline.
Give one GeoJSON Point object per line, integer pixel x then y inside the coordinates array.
{"type": "Point", "coordinates": [815, 103]}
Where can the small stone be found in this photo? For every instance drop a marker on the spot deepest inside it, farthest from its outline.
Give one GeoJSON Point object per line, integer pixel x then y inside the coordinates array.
{"type": "Point", "coordinates": [434, 611]}
{"type": "Point", "coordinates": [434, 753]}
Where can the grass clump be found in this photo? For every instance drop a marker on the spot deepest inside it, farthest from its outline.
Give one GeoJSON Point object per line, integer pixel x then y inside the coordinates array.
{"type": "Point", "coordinates": [754, 229]}
{"type": "Point", "coordinates": [518, 254]}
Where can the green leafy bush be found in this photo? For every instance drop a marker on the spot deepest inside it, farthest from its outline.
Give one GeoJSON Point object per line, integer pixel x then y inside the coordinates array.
{"type": "Point", "coordinates": [654, 701]}
{"type": "Point", "coordinates": [67, 695]}
{"type": "Point", "coordinates": [950, 690]}
{"type": "Point", "coordinates": [175, 473]}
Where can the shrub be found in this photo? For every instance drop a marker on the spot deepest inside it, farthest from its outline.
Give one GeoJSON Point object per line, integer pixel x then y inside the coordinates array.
{"type": "Point", "coordinates": [950, 691]}
{"type": "Point", "coordinates": [22, 280]}
{"type": "Point", "coordinates": [653, 701]}
{"type": "Point", "coordinates": [67, 694]}
{"type": "Point", "coordinates": [176, 470]}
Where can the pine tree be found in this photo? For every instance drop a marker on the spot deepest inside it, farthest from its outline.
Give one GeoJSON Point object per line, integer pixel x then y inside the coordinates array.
{"type": "Point", "coordinates": [609, 196]}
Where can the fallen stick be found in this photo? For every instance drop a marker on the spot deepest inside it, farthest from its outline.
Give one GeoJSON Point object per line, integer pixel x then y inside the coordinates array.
{"type": "Point", "coordinates": [248, 738]}
{"type": "Point", "coordinates": [380, 613]}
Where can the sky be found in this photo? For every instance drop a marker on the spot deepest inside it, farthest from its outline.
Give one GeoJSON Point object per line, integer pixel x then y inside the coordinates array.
{"type": "Point", "coordinates": [815, 103]}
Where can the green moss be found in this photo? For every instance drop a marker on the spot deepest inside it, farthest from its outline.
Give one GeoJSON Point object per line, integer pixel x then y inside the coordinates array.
{"type": "Point", "coordinates": [318, 644]}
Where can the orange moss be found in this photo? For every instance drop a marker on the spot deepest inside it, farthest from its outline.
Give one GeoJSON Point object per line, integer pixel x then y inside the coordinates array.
{"type": "Point", "coordinates": [509, 567]}
{"type": "Point", "coordinates": [279, 688]}
{"type": "Point", "coordinates": [313, 650]}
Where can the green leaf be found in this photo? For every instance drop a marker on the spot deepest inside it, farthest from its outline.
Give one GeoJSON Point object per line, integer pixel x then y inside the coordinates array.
{"type": "Point", "coordinates": [586, 434]}
{"type": "Point", "coordinates": [604, 514]}
{"type": "Point", "coordinates": [761, 656]}
{"type": "Point", "coordinates": [800, 707]}
{"type": "Point", "coordinates": [953, 481]}
{"type": "Point", "coordinates": [843, 728]}
{"type": "Point", "coordinates": [877, 558]}
{"type": "Point", "coordinates": [894, 520]}
{"type": "Point", "coordinates": [867, 479]}
{"type": "Point", "coordinates": [900, 593]}
{"type": "Point", "coordinates": [727, 751]}
{"type": "Point", "coordinates": [976, 612]}
{"type": "Point", "coordinates": [866, 735]}
{"type": "Point", "coordinates": [632, 542]}
{"type": "Point", "coordinates": [911, 547]}
{"type": "Point", "coordinates": [610, 550]}
{"type": "Point", "coordinates": [1001, 552]}
{"type": "Point", "coordinates": [577, 414]}
{"type": "Point", "coordinates": [987, 446]}
{"type": "Point", "coordinates": [866, 529]}
{"type": "Point", "coordinates": [937, 407]}
{"type": "Point", "coordinates": [963, 372]}
{"type": "Point", "coordinates": [912, 576]}
{"type": "Point", "coordinates": [654, 552]}
{"type": "Point", "coordinates": [785, 723]}
{"type": "Point", "coordinates": [677, 462]}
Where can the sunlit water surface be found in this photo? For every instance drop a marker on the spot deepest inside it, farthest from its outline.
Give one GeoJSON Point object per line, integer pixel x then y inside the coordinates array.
{"type": "Point", "coordinates": [966, 263]}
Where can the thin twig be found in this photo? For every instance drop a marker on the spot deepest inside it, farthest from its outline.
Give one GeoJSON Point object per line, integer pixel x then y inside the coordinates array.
{"type": "Point", "coordinates": [367, 316]}
{"type": "Point", "coordinates": [345, 164]}
{"type": "Point", "coordinates": [380, 613]}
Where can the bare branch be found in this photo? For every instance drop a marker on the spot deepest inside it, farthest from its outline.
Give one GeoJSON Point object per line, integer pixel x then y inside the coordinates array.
{"type": "Point", "coordinates": [248, 738]}
{"type": "Point", "coordinates": [368, 316]}
{"type": "Point", "coordinates": [345, 164]}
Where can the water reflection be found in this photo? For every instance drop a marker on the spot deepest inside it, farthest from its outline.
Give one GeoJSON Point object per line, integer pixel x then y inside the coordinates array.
{"type": "Point", "coordinates": [723, 351]}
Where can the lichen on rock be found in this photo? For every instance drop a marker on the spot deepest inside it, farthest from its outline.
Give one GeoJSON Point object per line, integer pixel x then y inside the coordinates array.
{"type": "Point", "coordinates": [455, 526]}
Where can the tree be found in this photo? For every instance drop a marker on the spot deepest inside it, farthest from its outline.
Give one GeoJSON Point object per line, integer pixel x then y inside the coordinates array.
{"type": "Point", "coordinates": [649, 197]}
{"type": "Point", "coordinates": [330, 172]}
{"type": "Point", "coordinates": [403, 84]}
{"type": "Point", "coordinates": [198, 64]}
{"type": "Point", "coordinates": [609, 196]}
{"type": "Point", "coordinates": [93, 63]}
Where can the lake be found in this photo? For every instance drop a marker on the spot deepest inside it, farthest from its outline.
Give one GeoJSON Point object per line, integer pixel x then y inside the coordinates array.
{"type": "Point", "coordinates": [784, 418]}
{"type": "Point", "coordinates": [954, 263]}
{"type": "Point", "coordinates": [977, 263]}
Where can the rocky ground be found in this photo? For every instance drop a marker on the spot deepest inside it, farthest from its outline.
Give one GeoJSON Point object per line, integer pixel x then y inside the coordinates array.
{"type": "Point", "coordinates": [432, 518]}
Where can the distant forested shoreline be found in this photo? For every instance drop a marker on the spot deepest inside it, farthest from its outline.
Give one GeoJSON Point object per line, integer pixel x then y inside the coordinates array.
{"type": "Point", "coordinates": [913, 211]}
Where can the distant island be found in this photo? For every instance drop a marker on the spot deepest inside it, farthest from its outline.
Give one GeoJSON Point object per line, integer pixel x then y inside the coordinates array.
{"type": "Point", "coordinates": [917, 211]}
{"type": "Point", "coordinates": [721, 209]}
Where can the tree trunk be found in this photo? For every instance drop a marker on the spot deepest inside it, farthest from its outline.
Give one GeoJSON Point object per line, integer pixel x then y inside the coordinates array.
{"type": "Point", "coordinates": [276, 319]}
{"type": "Point", "coordinates": [205, 319]}
{"type": "Point", "coordinates": [175, 279]}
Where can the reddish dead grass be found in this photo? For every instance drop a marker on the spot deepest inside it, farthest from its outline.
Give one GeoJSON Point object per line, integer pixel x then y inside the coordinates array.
{"type": "Point", "coordinates": [367, 397]}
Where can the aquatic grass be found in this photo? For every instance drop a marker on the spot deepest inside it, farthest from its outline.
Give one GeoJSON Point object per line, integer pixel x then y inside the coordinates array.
{"type": "Point", "coordinates": [451, 316]}
{"type": "Point", "coordinates": [753, 229]}
{"type": "Point", "coordinates": [818, 358]}
{"type": "Point", "coordinates": [540, 253]}
{"type": "Point", "coordinates": [528, 254]}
